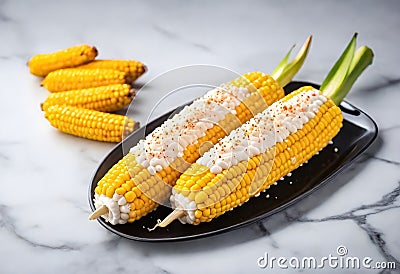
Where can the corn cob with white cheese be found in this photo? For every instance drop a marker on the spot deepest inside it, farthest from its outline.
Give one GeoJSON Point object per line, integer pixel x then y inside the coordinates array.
{"type": "Point", "coordinates": [144, 177]}
{"type": "Point", "coordinates": [252, 157]}
{"type": "Point", "coordinates": [266, 148]}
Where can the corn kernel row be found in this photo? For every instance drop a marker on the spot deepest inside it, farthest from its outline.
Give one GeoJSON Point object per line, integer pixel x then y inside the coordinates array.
{"type": "Point", "coordinates": [73, 78]}
{"type": "Point", "coordinates": [104, 98]}
{"type": "Point", "coordinates": [133, 69]}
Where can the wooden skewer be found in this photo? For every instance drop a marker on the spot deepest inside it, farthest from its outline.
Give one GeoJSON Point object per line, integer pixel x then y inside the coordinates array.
{"type": "Point", "coordinates": [98, 212]}
{"type": "Point", "coordinates": [176, 214]}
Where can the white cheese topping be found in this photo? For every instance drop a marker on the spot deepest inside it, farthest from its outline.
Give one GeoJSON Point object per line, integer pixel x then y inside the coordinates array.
{"type": "Point", "coordinates": [118, 208]}
{"type": "Point", "coordinates": [263, 131]}
{"type": "Point", "coordinates": [168, 141]}
{"type": "Point", "coordinates": [178, 201]}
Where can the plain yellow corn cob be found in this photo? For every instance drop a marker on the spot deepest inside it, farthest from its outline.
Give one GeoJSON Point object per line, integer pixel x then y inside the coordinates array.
{"type": "Point", "coordinates": [71, 79]}
{"type": "Point", "coordinates": [90, 124]}
{"type": "Point", "coordinates": [133, 69]}
{"type": "Point", "coordinates": [105, 98]}
{"type": "Point", "coordinates": [43, 64]}
{"type": "Point", "coordinates": [130, 180]}
{"type": "Point", "coordinates": [216, 193]}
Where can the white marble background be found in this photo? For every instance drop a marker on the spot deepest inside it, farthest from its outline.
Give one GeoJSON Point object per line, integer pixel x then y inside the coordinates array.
{"type": "Point", "coordinates": [44, 174]}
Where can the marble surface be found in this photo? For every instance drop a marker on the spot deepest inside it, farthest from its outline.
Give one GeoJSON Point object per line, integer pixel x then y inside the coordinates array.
{"type": "Point", "coordinates": [44, 174]}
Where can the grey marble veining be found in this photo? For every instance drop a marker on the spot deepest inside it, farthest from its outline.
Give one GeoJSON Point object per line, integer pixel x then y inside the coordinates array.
{"type": "Point", "coordinates": [44, 174]}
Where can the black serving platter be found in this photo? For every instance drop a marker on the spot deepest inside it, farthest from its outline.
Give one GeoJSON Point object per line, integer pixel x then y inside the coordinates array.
{"type": "Point", "coordinates": [358, 133]}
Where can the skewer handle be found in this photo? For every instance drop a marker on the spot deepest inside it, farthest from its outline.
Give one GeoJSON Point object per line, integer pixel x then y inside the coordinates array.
{"type": "Point", "coordinates": [176, 214]}
{"type": "Point", "coordinates": [98, 212]}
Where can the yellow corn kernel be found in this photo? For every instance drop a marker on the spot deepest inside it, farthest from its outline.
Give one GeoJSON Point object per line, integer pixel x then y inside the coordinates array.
{"type": "Point", "coordinates": [120, 191]}
{"type": "Point", "coordinates": [43, 64]}
{"type": "Point", "coordinates": [110, 191]}
{"type": "Point", "coordinates": [198, 214]}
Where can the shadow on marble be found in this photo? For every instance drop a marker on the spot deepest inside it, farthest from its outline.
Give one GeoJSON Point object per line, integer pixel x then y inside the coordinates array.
{"type": "Point", "coordinates": [138, 85]}
{"type": "Point", "coordinates": [388, 82]}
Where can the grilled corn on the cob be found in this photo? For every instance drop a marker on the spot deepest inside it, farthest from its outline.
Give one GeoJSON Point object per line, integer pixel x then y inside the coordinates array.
{"type": "Point", "coordinates": [133, 69]}
{"type": "Point", "coordinates": [43, 64]}
{"type": "Point", "coordinates": [268, 147]}
{"type": "Point", "coordinates": [105, 98]}
{"type": "Point", "coordinates": [252, 158]}
{"type": "Point", "coordinates": [143, 178]}
{"type": "Point", "coordinates": [73, 78]}
{"type": "Point", "coordinates": [90, 124]}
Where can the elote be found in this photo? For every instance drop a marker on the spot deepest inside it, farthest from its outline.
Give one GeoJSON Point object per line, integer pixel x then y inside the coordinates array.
{"type": "Point", "coordinates": [143, 178]}
{"type": "Point", "coordinates": [267, 147]}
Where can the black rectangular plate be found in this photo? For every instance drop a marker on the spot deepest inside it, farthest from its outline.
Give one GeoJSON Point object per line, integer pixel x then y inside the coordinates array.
{"type": "Point", "coordinates": [358, 133]}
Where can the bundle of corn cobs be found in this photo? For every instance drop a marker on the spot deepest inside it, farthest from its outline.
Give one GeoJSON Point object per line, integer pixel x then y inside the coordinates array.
{"type": "Point", "coordinates": [83, 91]}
